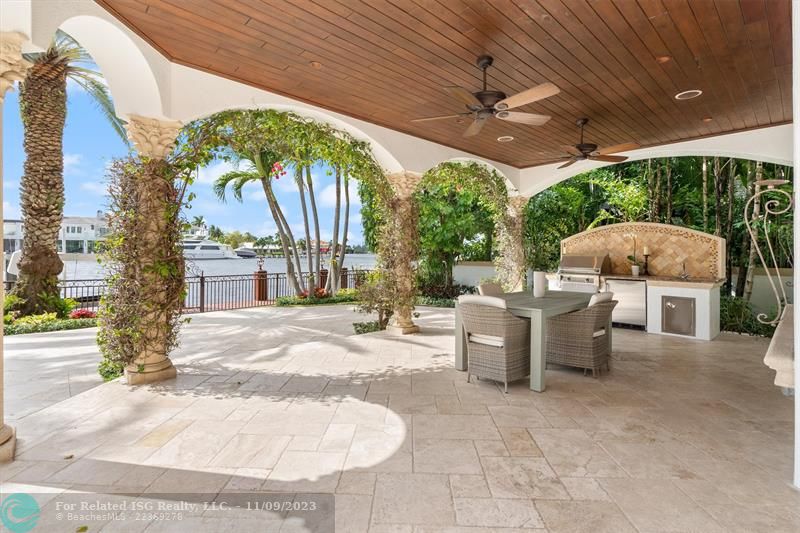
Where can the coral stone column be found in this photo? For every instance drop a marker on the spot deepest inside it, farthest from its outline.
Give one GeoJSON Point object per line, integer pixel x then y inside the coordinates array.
{"type": "Point", "coordinates": [153, 139]}
{"type": "Point", "coordinates": [12, 68]}
{"type": "Point", "coordinates": [405, 216]}
{"type": "Point", "coordinates": [511, 262]}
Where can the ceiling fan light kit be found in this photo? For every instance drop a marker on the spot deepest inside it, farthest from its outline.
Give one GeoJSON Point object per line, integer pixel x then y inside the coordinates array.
{"type": "Point", "coordinates": [486, 103]}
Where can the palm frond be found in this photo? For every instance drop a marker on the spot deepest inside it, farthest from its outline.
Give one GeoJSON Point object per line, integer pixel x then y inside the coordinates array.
{"type": "Point", "coordinates": [237, 179]}
{"type": "Point", "coordinates": [81, 68]}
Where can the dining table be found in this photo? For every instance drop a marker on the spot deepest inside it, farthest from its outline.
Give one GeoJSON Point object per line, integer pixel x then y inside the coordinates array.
{"type": "Point", "coordinates": [537, 310]}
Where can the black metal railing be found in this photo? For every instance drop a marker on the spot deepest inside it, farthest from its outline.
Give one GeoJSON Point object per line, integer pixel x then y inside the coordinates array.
{"type": "Point", "coordinates": [211, 293]}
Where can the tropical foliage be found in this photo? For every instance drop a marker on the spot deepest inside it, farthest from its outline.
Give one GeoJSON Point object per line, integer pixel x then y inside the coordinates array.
{"type": "Point", "coordinates": [268, 145]}
{"type": "Point", "coordinates": [43, 107]}
{"type": "Point", "coordinates": [706, 194]}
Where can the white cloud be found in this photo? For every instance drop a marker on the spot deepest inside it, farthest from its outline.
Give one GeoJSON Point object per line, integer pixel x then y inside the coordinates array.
{"type": "Point", "coordinates": [11, 210]}
{"type": "Point", "coordinates": [95, 187]}
{"type": "Point", "coordinates": [72, 164]}
{"type": "Point", "coordinates": [327, 196]}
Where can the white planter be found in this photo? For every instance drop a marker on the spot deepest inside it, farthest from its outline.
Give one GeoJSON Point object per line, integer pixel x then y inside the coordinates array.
{"type": "Point", "coordinates": [635, 270]}
{"type": "Point", "coordinates": [539, 283]}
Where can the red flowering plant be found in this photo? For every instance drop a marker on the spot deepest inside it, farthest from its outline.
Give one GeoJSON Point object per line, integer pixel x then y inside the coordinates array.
{"type": "Point", "coordinates": [83, 313]}
{"type": "Point", "coordinates": [320, 292]}
{"type": "Point", "coordinates": [277, 170]}
{"type": "Point", "coordinates": [303, 295]}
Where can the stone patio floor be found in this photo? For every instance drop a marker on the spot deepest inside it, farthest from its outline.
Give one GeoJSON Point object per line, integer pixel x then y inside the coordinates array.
{"type": "Point", "coordinates": [681, 436]}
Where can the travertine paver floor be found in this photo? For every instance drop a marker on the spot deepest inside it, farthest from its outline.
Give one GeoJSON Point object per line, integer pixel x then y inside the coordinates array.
{"type": "Point", "coordinates": [681, 435]}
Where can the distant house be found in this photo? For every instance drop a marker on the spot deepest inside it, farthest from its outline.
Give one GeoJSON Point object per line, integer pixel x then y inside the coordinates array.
{"type": "Point", "coordinates": [78, 235]}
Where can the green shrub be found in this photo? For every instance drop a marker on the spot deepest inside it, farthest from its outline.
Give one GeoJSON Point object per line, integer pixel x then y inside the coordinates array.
{"type": "Point", "coordinates": [36, 320]}
{"type": "Point", "coordinates": [38, 324]}
{"type": "Point", "coordinates": [378, 295]}
{"type": "Point", "coordinates": [432, 301]}
{"type": "Point", "coordinates": [109, 370]}
{"type": "Point", "coordinates": [61, 306]}
{"type": "Point", "coordinates": [366, 327]}
{"type": "Point", "coordinates": [353, 293]}
{"type": "Point", "coordinates": [12, 302]}
{"type": "Point", "coordinates": [286, 301]}
{"type": "Point", "coordinates": [737, 315]}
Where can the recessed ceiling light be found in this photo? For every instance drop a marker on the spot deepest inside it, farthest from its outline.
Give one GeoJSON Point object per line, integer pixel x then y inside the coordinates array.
{"type": "Point", "coordinates": [316, 64]}
{"type": "Point", "coordinates": [505, 139]}
{"type": "Point", "coordinates": [707, 119]}
{"type": "Point", "coordinates": [663, 59]}
{"type": "Point", "coordinates": [688, 95]}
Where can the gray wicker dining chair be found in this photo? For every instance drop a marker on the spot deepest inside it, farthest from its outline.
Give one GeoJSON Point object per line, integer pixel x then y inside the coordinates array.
{"type": "Point", "coordinates": [580, 339]}
{"type": "Point", "coordinates": [490, 289]}
{"type": "Point", "coordinates": [498, 343]}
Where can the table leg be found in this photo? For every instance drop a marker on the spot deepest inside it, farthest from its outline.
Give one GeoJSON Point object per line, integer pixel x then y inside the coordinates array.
{"type": "Point", "coordinates": [538, 347]}
{"type": "Point", "coordinates": [461, 343]}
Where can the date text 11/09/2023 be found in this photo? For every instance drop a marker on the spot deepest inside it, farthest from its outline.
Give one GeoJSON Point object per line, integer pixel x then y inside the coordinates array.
{"type": "Point", "coordinates": [184, 506]}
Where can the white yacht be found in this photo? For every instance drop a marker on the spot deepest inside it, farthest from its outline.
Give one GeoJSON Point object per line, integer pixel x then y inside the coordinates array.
{"type": "Point", "coordinates": [206, 249]}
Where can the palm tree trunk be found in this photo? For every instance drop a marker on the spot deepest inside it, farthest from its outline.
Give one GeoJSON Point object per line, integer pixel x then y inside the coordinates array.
{"type": "Point", "coordinates": [751, 260]}
{"type": "Point", "coordinates": [747, 243]}
{"type": "Point", "coordinates": [345, 229]}
{"type": "Point", "coordinates": [657, 194]}
{"type": "Point", "coordinates": [705, 194]}
{"type": "Point", "coordinates": [651, 193]}
{"type": "Point", "coordinates": [315, 217]}
{"type": "Point", "coordinates": [291, 276]}
{"type": "Point", "coordinates": [717, 198]}
{"type": "Point", "coordinates": [43, 106]}
{"type": "Point", "coordinates": [301, 189]}
{"type": "Point", "coordinates": [333, 271]}
{"type": "Point", "coordinates": [287, 231]}
{"type": "Point", "coordinates": [729, 225]}
{"type": "Point", "coordinates": [668, 215]}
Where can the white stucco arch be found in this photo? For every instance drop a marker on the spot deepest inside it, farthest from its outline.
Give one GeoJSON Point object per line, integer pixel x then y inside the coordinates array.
{"type": "Point", "coordinates": [770, 145]}
{"type": "Point", "coordinates": [131, 80]}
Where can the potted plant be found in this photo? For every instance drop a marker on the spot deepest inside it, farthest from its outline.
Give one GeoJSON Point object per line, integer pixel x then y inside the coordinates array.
{"type": "Point", "coordinates": [635, 265]}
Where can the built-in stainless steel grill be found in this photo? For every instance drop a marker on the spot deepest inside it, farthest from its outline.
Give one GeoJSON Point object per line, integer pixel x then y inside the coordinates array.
{"type": "Point", "coordinates": [581, 273]}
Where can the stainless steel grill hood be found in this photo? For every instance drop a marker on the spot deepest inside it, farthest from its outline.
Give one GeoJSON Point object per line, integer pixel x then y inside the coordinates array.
{"type": "Point", "coordinates": [582, 272]}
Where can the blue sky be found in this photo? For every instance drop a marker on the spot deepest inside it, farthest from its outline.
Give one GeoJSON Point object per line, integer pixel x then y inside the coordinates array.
{"type": "Point", "coordinates": [90, 144]}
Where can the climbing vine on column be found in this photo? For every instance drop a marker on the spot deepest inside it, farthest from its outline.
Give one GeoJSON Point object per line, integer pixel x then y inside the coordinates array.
{"type": "Point", "coordinates": [140, 313]}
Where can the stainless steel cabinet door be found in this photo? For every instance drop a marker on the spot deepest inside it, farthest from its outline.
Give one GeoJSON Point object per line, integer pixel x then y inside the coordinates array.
{"type": "Point", "coordinates": [632, 298]}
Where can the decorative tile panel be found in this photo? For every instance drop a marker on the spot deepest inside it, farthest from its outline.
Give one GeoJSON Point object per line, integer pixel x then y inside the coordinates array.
{"type": "Point", "coordinates": [669, 246]}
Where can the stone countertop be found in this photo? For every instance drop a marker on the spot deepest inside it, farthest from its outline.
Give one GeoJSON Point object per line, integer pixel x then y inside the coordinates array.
{"type": "Point", "coordinates": [669, 280]}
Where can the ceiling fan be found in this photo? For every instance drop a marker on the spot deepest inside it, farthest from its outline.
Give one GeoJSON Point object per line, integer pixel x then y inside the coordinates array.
{"type": "Point", "coordinates": [584, 150]}
{"type": "Point", "coordinates": [485, 104]}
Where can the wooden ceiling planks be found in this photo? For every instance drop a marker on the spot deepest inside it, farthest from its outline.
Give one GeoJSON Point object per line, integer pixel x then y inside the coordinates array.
{"type": "Point", "coordinates": [387, 61]}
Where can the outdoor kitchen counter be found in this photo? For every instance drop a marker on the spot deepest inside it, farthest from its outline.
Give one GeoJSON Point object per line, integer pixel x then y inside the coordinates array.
{"type": "Point", "coordinates": [669, 281]}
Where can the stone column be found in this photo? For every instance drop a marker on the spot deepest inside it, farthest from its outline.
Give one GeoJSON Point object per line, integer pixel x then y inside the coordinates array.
{"type": "Point", "coordinates": [511, 261]}
{"type": "Point", "coordinates": [405, 213]}
{"type": "Point", "coordinates": [153, 139]}
{"type": "Point", "coordinates": [12, 68]}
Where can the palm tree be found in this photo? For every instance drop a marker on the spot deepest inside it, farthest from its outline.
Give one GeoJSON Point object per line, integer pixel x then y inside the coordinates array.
{"type": "Point", "coordinates": [43, 106]}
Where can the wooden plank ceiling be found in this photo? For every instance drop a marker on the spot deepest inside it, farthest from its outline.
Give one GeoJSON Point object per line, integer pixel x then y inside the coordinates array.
{"type": "Point", "coordinates": [619, 62]}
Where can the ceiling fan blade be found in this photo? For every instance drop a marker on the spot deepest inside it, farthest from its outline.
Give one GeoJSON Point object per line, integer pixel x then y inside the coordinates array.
{"type": "Point", "coordinates": [528, 96]}
{"type": "Point", "coordinates": [440, 117]}
{"type": "Point", "coordinates": [609, 158]}
{"type": "Point", "coordinates": [475, 128]}
{"type": "Point", "coordinates": [568, 163]}
{"type": "Point", "coordinates": [464, 95]}
{"type": "Point", "coordinates": [570, 149]}
{"type": "Point", "coordinates": [531, 119]}
{"type": "Point", "coordinates": [624, 147]}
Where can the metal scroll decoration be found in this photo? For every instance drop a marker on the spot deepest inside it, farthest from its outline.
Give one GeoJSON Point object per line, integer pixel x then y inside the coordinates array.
{"type": "Point", "coordinates": [775, 202]}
